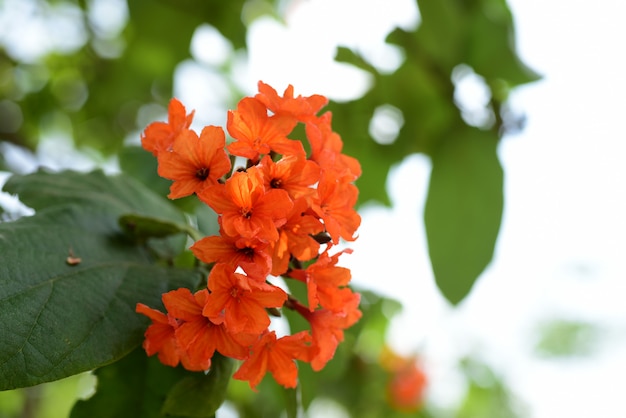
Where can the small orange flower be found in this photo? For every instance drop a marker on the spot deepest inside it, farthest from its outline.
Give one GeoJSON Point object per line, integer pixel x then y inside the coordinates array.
{"type": "Point", "coordinates": [325, 282]}
{"type": "Point", "coordinates": [241, 299]}
{"type": "Point", "coordinates": [277, 356]}
{"type": "Point", "coordinates": [160, 339]}
{"type": "Point", "coordinates": [326, 147]}
{"type": "Point", "coordinates": [292, 173]}
{"type": "Point", "coordinates": [257, 133]}
{"type": "Point", "coordinates": [245, 207]}
{"type": "Point", "coordinates": [251, 254]}
{"type": "Point", "coordinates": [195, 162]}
{"type": "Point", "coordinates": [159, 136]}
{"type": "Point", "coordinates": [197, 335]}
{"type": "Point", "coordinates": [328, 328]}
{"type": "Point", "coordinates": [295, 238]}
{"type": "Point", "coordinates": [302, 108]}
{"type": "Point", "coordinates": [335, 206]}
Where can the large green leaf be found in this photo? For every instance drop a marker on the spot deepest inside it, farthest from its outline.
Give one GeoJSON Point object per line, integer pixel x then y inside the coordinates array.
{"type": "Point", "coordinates": [70, 278]}
{"type": "Point", "coordinates": [463, 210]}
{"type": "Point", "coordinates": [135, 386]}
{"type": "Point", "coordinates": [199, 395]}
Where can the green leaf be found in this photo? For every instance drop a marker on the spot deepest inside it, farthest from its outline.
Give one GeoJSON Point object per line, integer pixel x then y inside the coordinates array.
{"type": "Point", "coordinates": [463, 210]}
{"type": "Point", "coordinates": [143, 227]}
{"type": "Point", "coordinates": [142, 166]}
{"type": "Point", "coordinates": [487, 396]}
{"type": "Point", "coordinates": [491, 47]}
{"type": "Point", "coordinates": [200, 395]}
{"type": "Point", "coordinates": [135, 386]}
{"type": "Point", "coordinates": [112, 195]}
{"type": "Point", "coordinates": [69, 278]}
{"type": "Point", "coordinates": [441, 31]}
{"type": "Point", "coordinates": [291, 402]}
{"type": "Point", "coordinates": [566, 338]}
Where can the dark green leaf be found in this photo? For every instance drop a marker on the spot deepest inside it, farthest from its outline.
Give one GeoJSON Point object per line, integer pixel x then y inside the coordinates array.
{"type": "Point", "coordinates": [112, 195]}
{"type": "Point", "coordinates": [70, 280]}
{"type": "Point", "coordinates": [134, 386]}
{"type": "Point", "coordinates": [143, 227]}
{"type": "Point", "coordinates": [463, 210]}
{"type": "Point", "coordinates": [200, 395]}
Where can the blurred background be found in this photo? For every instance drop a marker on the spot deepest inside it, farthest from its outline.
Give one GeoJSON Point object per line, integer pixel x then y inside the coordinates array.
{"type": "Point", "coordinates": [541, 333]}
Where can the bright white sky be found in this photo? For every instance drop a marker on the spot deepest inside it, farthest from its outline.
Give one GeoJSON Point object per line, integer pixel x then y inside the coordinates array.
{"type": "Point", "coordinates": [561, 248]}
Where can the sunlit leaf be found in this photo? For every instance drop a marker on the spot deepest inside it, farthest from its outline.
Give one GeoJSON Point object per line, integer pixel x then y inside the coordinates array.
{"type": "Point", "coordinates": [487, 395]}
{"type": "Point", "coordinates": [563, 338]}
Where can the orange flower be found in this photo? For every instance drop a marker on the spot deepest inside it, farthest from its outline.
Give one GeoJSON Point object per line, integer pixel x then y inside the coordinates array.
{"type": "Point", "coordinates": [328, 328]}
{"type": "Point", "coordinates": [295, 238]}
{"type": "Point", "coordinates": [277, 356]}
{"type": "Point", "coordinates": [325, 281]}
{"type": "Point", "coordinates": [242, 300]}
{"type": "Point", "coordinates": [326, 147]}
{"type": "Point", "coordinates": [197, 335]}
{"type": "Point", "coordinates": [257, 133]}
{"type": "Point", "coordinates": [251, 254]}
{"type": "Point", "coordinates": [292, 173]}
{"type": "Point", "coordinates": [302, 108]}
{"type": "Point", "coordinates": [160, 339]}
{"type": "Point", "coordinates": [195, 162]}
{"type": "Point", "coordinates": [159, 136]}
{"type": "Point", "coordinates": [245, 207]}
{"type": "Point", "coordinates": [407, 383]}
{"type": "Point", "coordinates": [335, 206]}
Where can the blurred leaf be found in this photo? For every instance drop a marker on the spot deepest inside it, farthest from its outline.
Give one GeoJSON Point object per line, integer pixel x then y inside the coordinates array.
{"type": "Point", "coordinates": [441, 31]}
{"type": "Point", "coordinates": [207, 220]}
{"type": "Point", "coordinates": [134, 386]}
{"type": "Point", "coordinates": [100, 94]}
{"type": "Point", "coordinates": [562, 338]}
{"type": "Point", "coordinates": [140, 164]}
{"type": "Point", "coordinates": [491, 48]}
{"type": "Point", "coordinates": [487, 395]}
{"type": "Point", "coordinates": [451, 32]}
{"type": "Point", "coordinates": [69, 280]}
{"type": "Point", "coordinates": [291, 402]}
{"type": "Point", "coordinates": [199, 395]}
{"type": "Point", "coordinates": [463, 210]}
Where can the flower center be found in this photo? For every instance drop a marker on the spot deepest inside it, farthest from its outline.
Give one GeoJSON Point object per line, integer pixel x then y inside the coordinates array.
{"type": "Point", "coordinates": [202, 173]}
{"type": "Point", "coordinates": [246, 213]}
{"type": "Point", "coordinates": [276, 183]}
{"type": "Point", "coordinates": [247, 252]}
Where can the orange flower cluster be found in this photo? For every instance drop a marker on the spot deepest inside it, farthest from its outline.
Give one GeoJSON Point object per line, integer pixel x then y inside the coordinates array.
{"type": "Point", "coordinates": [281, 215]}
